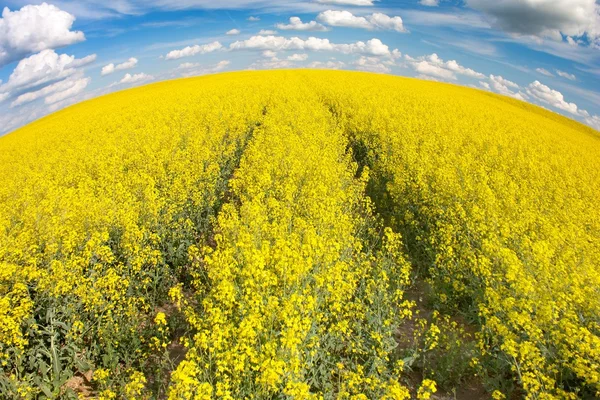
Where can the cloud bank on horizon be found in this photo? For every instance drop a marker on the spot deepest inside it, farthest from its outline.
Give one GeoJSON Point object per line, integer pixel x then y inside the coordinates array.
{"type": "Point", "coordinates": [53, 54]}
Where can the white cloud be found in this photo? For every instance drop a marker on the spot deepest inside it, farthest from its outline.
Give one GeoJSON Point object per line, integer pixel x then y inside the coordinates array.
{"type": "Point", "coordinates": [544, 94]}
{"type": "Point", "coordinates": [195, 69]}
{"type": "Point", "coordinates": [349, 20]}
{"type": "Point", "coordinates": [43, 68]}
{"type": "Point", "coordinates": [433, 65]}
{"type": "Point", "coordinates": [267, 32]}
{"type": "Point", "coordinates": [136, 78]}
{"type": "Point", "coordinates": [485, 85]}
{"type": "Point", "coordinates": [193, 50]}
{"type": "Point", "coordinates": [110, 68]}
{"type": "Point", "coordinates": [331, 64]}
{"type": "Point", "coordinates": [566, 75]}
{"type": "Point", "coordinates": [80, 62]}
{"type": "Point", "coordinates": [296, 24]}
{"type": "Point", "coordinates": [383, 21]}
{"type": "Point", "coordinates": [452, 65]}
{"type": "Point", "coordinates": [222, 64]}
{"type": "Point", "coordinates": [427, 68]}
{"type": "Point", "coordinates": [455, 18]}
{"type": "Point", "coordinates": [429, 3]}
{"type": "Point", "coordinates": [47, 90]}
{"type": "Point", "coordinates": [298, 57]}
{"type": "Point", "coordinates": [344, 19]}
{"type": "Point", "coordinates": [544, 18]}
{"type": "Point", "coordinates": [593, 121]}
{"type": "Point", "coordinates": [188, 65]}
{"type": "Point", "coordinates": [347, 2]}
{"type": "Point", "coordinates": [372, 47]}
{"type": "Point", "coordinates": [428, 78]}
{"type": "Point", "coordinates": [501, 83]}
{"type": "Point", "coordinates": [95, 9]}
{"type": "Point", "coordinates": [253, 19]}
{"type": "Point", "coordinates": [35, 28]}
{"type": "Point", "coordinates": [544, 72]}
{"type": "Point", "coordinates": [77, 87]}
{"type": "Point", "coordinates": [11, 121]}
{"type": "Point", "coordinates": [372, 64]}
{"type": "Point", "coordinates": [273, 63]}
{"type": "Point", "coordinates": [553, 97]}
{"type": "Point", "coordinates": [233, 32]}
{"type": "Point", "coordinates": [503, 86]}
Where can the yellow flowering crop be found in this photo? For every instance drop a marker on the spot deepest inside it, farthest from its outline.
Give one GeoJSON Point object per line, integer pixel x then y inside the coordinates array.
{"type": "Point", "coordinates": [277, 213]}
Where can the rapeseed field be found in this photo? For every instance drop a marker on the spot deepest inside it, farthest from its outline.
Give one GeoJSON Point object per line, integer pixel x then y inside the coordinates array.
{"type": "Point", "coordinates": [300, 235]}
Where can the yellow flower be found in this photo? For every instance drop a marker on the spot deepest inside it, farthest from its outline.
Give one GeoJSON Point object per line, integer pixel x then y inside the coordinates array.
{"type": "Point", "coordinates": [160, 319]}
{"type": "Point", "coordinates": [427, 388]}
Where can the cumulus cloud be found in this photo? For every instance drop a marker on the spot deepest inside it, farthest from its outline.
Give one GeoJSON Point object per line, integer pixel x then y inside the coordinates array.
{"type": "Point", "coordinates": [508, 88]}
{"type": "Point", "coordinates": [428, 78]}
{"type": "Point", "coordinates": [383, 21]}
{"type": "Point", "coordinates": [544, 18]}
{"type": "Point", "coordinates": [566, 75]}
{"type": "Point", "coordinates": [501, 84]}
{"type": "Point", "coordinates": [343, 19]}
{"type": "Point", "coordinates": [298, 57]}
{"type": "Point", "coordinates": [273, 63]}
{"type": "Point", "coordinates": [222, 64]}
{"type": "Point", "coordinates": [296, 24]}
{"type": "Point", "coordinates": [347, 2]}
{"type": "Point", "coordinates": [331, 64]}
{"type": "Point", "coordinates": [452, 65]}
{"type": "Point", "coordinates": [372, 64]}
{"type": "Point", "coordinates": [429, 3]}
{"type": "Point", "coordinates": [195, 69]}
{"type": "Point", "coordinates": [269, 54]}
{"type": "Point", "coordinates": [11, 121]}
{"type": "Point", "coordinates": [110, 68]}
{"type": "Point", "coordinates": [60, 86]}
{"type": "Point", "coordinates": [543, 93]}
{"type": "Point", "coordinates": [267, 32]}
{"type": "Point", "coordinates": [136, 78]}
{"type": "Point", "coordinates": [544, 72]}
{"type": "Point", "coordinates": [188, 65]}
{"type": "Point", "coordinates": [233, 32]}
{"type": "Point", "coordinates": [43, 68]}
{"type": "Point", "coordinates": [373, 47]}
{"type": "Point", "coordinates": [349, 20]}
{"type": "Point", "coordinates": [253, 19]}
{"type": "Point", "coordinates": [593, 121]}
{"type": "Point", "coordinates": [433, 65]}
{"type": "Point", "coordinates": [81, 62]}
{"type": "Point", "coordinates": [77, 87]}
{"type": "Point", "coordinates": [35, 28]}
{"type": "Point", "coordinates": [427, 68]}
{"type": "Point", "coordinates": [193, 50]}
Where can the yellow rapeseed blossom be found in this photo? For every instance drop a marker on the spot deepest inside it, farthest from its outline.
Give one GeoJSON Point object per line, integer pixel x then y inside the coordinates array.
{"type": "Point", "coordinates": [427, 388]}
{"type": "Point", "coordinates": [273, 211]}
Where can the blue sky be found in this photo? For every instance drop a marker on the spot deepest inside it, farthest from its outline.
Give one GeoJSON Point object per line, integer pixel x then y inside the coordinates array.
{"type": "Point", "coordinates": [58, 53]}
